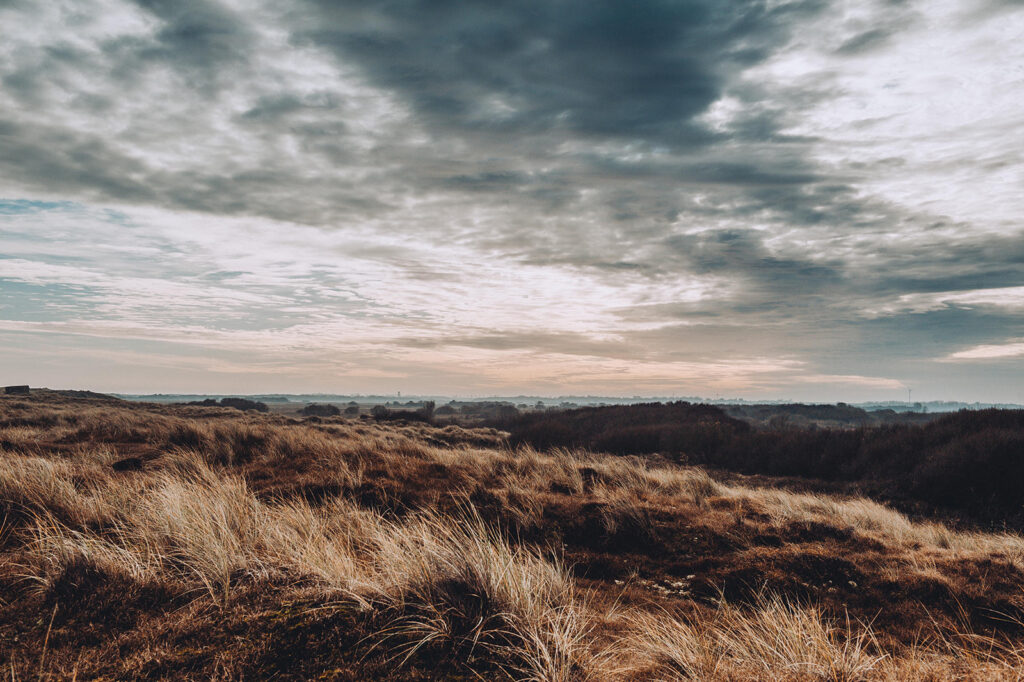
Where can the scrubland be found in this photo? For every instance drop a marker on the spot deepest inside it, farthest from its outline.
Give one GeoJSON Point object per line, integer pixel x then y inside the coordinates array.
{"type": "Point", "coordinates": [144, 541]}
{"type": "Point", "coordinates": [966, 465]}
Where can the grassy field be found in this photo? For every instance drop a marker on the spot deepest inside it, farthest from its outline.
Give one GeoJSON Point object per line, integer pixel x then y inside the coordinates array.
{"type": "Point", "coordinates": [145, 541]}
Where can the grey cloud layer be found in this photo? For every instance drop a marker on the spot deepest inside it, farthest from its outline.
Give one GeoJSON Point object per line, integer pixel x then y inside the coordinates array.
{"type": "Point", "coordinates": [560, 133]}
{"type": "Point", "coordinates": [601, 68]}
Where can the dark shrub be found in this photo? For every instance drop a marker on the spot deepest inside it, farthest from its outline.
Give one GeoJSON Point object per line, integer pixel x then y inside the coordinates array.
{"type": "Point", "coordinates": [317, 410]}
{"type": "Point", "coordinates": [423, 414]}
{"type": "Point", "coordinates": [629, 429]}
{"type": "Point", "coordinates": [244, 404]}
{"type": "Point", "coordinates": [982, 471]}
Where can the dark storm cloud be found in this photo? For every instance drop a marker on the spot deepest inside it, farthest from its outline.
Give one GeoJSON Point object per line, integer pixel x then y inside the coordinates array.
{"type": "Point", "coordinates": [578, 66]}
{"type": "Point", "coordinates": [556, 82]}
{"type": "Point", "coordinates": [57, 140]}
{"type": "Point", "coordinates": [938, 332]}
{"type": "Point", "coordinates": [201, 39]}
{"type": "Point", "coordinates": [275, 108]}
{"type": "Point", "coordinates": [526, 85]}
{"type": "Point", "coordinates": [742, 253]}
{"type": "Point", "coordinates": [66, 161]}
{"type": "Point", "coordinates": [493, 181]}
{"type": "Point", "coordinates": [974, 262]}
{"type": "Point", "coordinates": [529, 85]}
{"type": "Point", "coordinates": [88, 166]}
{"type": "Point", "coordinates": [841, 285]}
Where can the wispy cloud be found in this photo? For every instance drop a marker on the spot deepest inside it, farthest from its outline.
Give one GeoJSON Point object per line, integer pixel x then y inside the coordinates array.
{"type": "Point", "coordinates": [1010, 299]}
{"type": "Point", "coordinates": [999, 351]}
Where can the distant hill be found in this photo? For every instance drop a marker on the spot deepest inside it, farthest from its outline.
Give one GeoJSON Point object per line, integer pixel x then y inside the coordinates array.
{"type": "Point", "coordinates": [69, 393]}
{"type": "Point", "coordinates": [630, 429]}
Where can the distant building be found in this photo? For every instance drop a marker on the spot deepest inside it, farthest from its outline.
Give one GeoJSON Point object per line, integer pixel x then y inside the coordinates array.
{"type": "Point", "coordinates": [16, 390]}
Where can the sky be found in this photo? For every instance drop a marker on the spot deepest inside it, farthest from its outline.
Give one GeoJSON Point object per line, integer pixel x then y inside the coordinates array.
{"type": "Point", "coordinates": [801, 199]}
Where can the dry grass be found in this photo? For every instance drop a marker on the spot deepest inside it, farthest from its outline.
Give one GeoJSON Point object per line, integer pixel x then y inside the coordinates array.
{"type": "Point", "coordinates": [776, 639]}
{"type": "Point", "coordinates": [447, 552]}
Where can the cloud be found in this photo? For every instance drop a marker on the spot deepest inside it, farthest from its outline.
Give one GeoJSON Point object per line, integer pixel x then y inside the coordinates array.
{"type": "Point", "coordinates": [1012, 349]}
{"type": "Point", "coordinates": [660, 182]}
{"type": "Point", "coordinates": [597, 68]}
{"type": "Point", "coordinates": [1006, 298]}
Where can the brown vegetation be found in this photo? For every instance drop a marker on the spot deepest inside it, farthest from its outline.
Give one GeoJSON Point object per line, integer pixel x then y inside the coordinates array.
{"type": "Point", "coordinates": [140, 541]}
{"type": "Point", "coordinates": [965, 465]}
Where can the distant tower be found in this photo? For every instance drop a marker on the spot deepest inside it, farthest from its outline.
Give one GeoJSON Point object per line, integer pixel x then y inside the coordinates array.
{"type": "Point", "coordinates": [908, 395]}
{"type": "Point", "coordinates": [399, 394]}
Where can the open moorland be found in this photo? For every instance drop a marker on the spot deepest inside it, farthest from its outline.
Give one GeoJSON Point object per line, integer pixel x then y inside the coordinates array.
{"type": "Point", "coordinates": [204, 542]}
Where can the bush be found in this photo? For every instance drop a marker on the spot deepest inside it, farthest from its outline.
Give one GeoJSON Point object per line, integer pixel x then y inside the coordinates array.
{"type": "Point", "coordinates": [317, 410]}
{"type": "Point", "coordinates": [423, 414]}
{"type": "Point", "coordinates": [244, 404]}
{"type": "Point", "coordinates": [678, 427]}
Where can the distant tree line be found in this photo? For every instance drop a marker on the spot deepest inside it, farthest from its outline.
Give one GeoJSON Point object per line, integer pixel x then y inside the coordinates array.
{"type": "Point", "coordinates": [970, 461]}
{"type": "Point", "coordinates": [237, 403]}
{"type": "Point", "coordinates": [425, 413]}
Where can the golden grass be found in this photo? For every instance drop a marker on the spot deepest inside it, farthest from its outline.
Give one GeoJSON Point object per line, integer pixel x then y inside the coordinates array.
{"type": "Point", "coordinates": [439, 578]}
{"type": "Point", "coordinates": [444, 578]}
{"type": "Point", "coordinates": [777, 639]}
{"type": "Point", "coordinates": [885, 524]}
